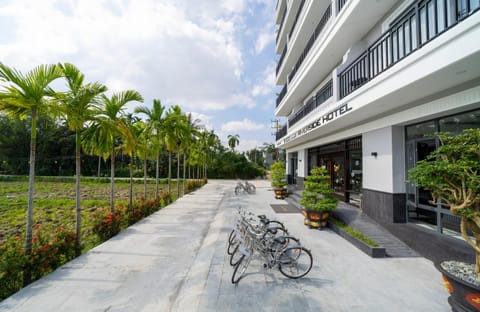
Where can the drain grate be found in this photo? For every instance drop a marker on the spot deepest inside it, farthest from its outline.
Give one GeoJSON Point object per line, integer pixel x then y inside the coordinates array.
{"type": "Point", "coordinates": [284, 208]}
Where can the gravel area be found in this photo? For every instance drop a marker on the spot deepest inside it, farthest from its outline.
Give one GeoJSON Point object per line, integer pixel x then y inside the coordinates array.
{"type": "Point", "coordinates": [464, 271]}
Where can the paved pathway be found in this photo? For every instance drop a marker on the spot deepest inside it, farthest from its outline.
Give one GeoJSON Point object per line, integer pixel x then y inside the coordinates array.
{"type": "Point", "coordinates": [175, 260]}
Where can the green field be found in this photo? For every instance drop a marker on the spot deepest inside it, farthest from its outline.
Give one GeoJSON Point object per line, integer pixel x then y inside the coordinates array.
{"type": "Point", "coordinates": [54, 204]}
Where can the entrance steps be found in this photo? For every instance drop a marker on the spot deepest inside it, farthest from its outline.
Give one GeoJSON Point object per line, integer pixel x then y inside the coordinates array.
{"type": "Point", "coordinates": [355, 218]}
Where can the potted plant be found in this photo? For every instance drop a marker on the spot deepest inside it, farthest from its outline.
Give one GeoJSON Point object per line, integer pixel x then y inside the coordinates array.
{"type": "Point", "coordinates": [317, 199]}
{"type": "Point", "coordinates": [277, 176]}
{"type": "Point", "coordinates": [452, 174]}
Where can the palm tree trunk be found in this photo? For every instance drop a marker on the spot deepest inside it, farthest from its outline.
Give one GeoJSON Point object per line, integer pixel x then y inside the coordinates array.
{"type": "Point", "coordinates": [145, 176]}
{"type": "Point", "coordinates": [78, 215]}
{"type": "Point", "coordinates": [99, 166]}
{"type": "Point", "coordinates": [184, 166]}
{"type": "Point", "coordinates": [130, 203]}
{"type": "Point", "coordinates": [157, 170]}
{"type": "Point", "coordinates": [27, 273]}
{"type": "Point", "coordinates": [112, 180]}
{"type": "Point", "coordinates": [169, 171]}
{"type": "Point", "coordinates": [178, 173]}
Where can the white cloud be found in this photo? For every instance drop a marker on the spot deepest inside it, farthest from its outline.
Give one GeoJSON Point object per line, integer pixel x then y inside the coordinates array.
{"type": "Point", "coordinates": [183, 52]}
{"type": "Point", "coordinates": [263, 40]}
{"type": "Point", "coordinates": [266, 84]}
{"type": "Point", "coordinates": [241, 125]}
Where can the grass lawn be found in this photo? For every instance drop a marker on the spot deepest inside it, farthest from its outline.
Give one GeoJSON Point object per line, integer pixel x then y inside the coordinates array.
{"type": "Point", "coordinates": [54, 204]}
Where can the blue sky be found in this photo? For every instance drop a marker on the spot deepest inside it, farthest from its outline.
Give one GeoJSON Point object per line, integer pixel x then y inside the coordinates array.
{"type": "Point", "coordinates": [214, 58]}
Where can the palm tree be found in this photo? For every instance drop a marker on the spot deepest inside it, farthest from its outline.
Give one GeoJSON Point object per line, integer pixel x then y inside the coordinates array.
{"type": "Point", "coordinates": [155, 127]}
{"type": "Point", "coordinates": [130, 143]}
{"type": "Point", "coordinates": [28, 95]}
{"type": "Point", "coordinates": [175, 132]}
{"type": "Point", "coordinates": [108, 129]}
{"type": "Point", "coordinates": [192, 131]}
{"type": "Point", "coordinates": [233, 141]}
{"type": "Point", "coordinates": [76, 106]}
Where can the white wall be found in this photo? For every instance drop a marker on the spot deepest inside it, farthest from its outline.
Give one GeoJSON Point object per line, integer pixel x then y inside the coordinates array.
{"type": "Point", "coordinates": [302, 163]}
{"type": "Point", "coordinates": [377, 171]}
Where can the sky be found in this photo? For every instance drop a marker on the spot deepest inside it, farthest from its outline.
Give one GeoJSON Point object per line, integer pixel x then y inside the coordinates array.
{"type": "Point", "coordinates": [213, 58]}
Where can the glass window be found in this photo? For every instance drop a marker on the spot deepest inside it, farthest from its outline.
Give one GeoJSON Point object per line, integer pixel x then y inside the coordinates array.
{"type": "Point", "coordinates": [420, 130]}
{"type": "Point", "coordinates": [457, 123]}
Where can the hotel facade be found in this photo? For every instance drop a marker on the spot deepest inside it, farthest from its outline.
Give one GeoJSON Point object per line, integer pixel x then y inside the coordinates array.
{"type": "Point", "coordinates": [363, 84]}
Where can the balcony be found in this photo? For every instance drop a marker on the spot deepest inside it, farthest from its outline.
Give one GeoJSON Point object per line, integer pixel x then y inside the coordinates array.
{"type": "Point", "coordinates": [315, 101]}
{"type": "Point", "coordinates": [281, 133]}
{"type": "Point", "coordinates": [422, 22]}
{"type": "Point", "coordinates": [318, 30]}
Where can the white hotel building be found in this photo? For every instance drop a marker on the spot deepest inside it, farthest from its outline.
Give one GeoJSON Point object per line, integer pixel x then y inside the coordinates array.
{"type": "Point", "coordinates": [362, 82]}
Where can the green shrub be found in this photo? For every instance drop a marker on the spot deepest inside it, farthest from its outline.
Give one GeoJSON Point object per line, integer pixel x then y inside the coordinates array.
{"type": "Point", "coordinates": [12, 263]}
{"type": "Point", "coordinates": [354, 233]}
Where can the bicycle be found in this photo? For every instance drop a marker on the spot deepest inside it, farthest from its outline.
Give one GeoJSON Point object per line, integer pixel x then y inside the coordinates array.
{"type": "Point", "coordinates": [246, 187]}
{"type": "Point", "coordinates": [293, 260]}
{"type": "Point", "coordinates": [263, 223]}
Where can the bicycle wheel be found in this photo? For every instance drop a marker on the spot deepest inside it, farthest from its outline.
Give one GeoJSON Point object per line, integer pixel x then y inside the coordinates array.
{"type": "Point", "coordinates": [240, 269]}
{"type": "Point", "coordinates": [235, 256]}
{"type": "Point", "coordinates": [251, 189]}
{"type": "Point", "coordinates": [295, 262]}
{"type": "Point", "coordinates": [232, 242]}
{"type": "Point", "coordinates": [238, 189]}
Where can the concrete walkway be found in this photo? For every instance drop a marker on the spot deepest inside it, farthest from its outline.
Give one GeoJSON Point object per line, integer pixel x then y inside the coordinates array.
{"type": "Point", "coordinates": [175, 260]}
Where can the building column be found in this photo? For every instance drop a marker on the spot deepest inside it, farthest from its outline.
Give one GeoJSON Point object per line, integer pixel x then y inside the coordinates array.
{"type": "Point", "coordinates": [384, 174]}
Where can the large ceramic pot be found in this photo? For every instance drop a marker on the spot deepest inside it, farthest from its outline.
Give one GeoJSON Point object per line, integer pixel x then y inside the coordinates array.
{"type": "Point", "coordinates": [464, 296]}
{"type": "Point", "coordinates": [280, 192]}
{"type": "Point", "coordinates": [315, 219]}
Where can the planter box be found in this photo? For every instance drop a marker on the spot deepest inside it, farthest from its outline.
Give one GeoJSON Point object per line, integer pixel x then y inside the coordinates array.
{"type": "Point", "coordinates": [315, 219]}
{"type": "Point", "coordinates": [374, 252]}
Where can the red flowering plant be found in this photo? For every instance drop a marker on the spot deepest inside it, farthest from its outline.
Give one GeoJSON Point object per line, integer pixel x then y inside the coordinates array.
{"type": "Point", "coordinates": [106, 224]}
{"type": "Point", "coordinates": [52, 247]}
{"type": "Point", "coordinates": [12, 263]}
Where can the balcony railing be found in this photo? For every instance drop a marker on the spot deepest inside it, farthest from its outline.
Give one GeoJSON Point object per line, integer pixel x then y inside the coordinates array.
{"type": "Point", "coordinates": [296, 19]}
{"type": "Point", "coordinates": [318, 30]}
{"type": "Point", "coordinates": [281, 95]}
{"type": "Point", "coordinates": [419, 24]}
{"type": "Point", "coordinates": [341, 4]}
{"type": "Point", "coordinates": [281, 24]}
{"type": "Point", "coordinates": [281, 133]}
{"type": "Point", "coordinates": [280, 61]}
{"type": "Point", "coordinates": [315, 101]}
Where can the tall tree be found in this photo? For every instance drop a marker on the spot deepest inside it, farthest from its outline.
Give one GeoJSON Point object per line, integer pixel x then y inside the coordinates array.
{"type": "Point", "coordinates": [76, 106]}
{"type": "Point", "coordinates": [155, 127]}
{"type": "Point", "coordinates": [233, 140]}
{"type": "Point", "coordinates": [22, 96]}
{"type": "Point", "coordinates": [108, 128]}
{"type": "Point", "coordinates": [175, 132]}
{"type": "Point", "coordinates": [192, 132]}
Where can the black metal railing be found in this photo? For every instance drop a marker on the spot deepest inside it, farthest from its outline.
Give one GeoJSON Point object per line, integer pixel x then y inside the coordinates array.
{"type": "Point", "coordinates": [281, 24]}
{"type": "Point", "coordinates": [296, 19]}
{"type": "Point", "coordinates": [281, 133]}
{"type": "Point", "coordinates": [316, 33]}
{"type": "Point", "coordinates": [281, 95]}
{"type": "Point", "coordinates": [417, 25]}
{"type": "Point", "coordinates": [341, 4]}
{"type": "Point", "coordinates": [315, 101]}
{"type": "Point", "coordinates": [280, 60]}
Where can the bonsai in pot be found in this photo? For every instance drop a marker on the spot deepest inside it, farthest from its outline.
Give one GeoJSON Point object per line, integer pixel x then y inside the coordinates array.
{"type": "Point", "coordinates": [317, 199]}
{"type": "Point", "coordinates": [452, 174]}
{"type": "Point", "coordinates": [277, 176]}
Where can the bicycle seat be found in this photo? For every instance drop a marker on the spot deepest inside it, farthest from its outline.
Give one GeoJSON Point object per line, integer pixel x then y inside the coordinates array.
{"type": "Point", "coordinates": [280, 240]}
{"type": "Point", "coordinates": [262, 216]}
{"type": "Point", "coordinates": [272, 230]}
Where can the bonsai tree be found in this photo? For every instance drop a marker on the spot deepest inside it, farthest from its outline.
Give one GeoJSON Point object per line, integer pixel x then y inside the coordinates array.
{"type": "Point", "coordinates": [451, 174]}
{"type": "Point", "coordinates": [277, 175]}
{"type": "Point", "coordinates": [317, 195]}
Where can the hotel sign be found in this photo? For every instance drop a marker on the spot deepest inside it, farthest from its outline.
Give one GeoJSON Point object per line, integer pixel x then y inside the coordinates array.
{"type": "Point", "coordinates": [339, 111]}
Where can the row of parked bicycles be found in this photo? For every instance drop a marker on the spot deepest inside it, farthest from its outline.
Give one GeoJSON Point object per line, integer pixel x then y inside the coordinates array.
{"type": "Point", "coordinates": [245, 188]}
{"type": "Point", "coordinates": [256, 234]}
